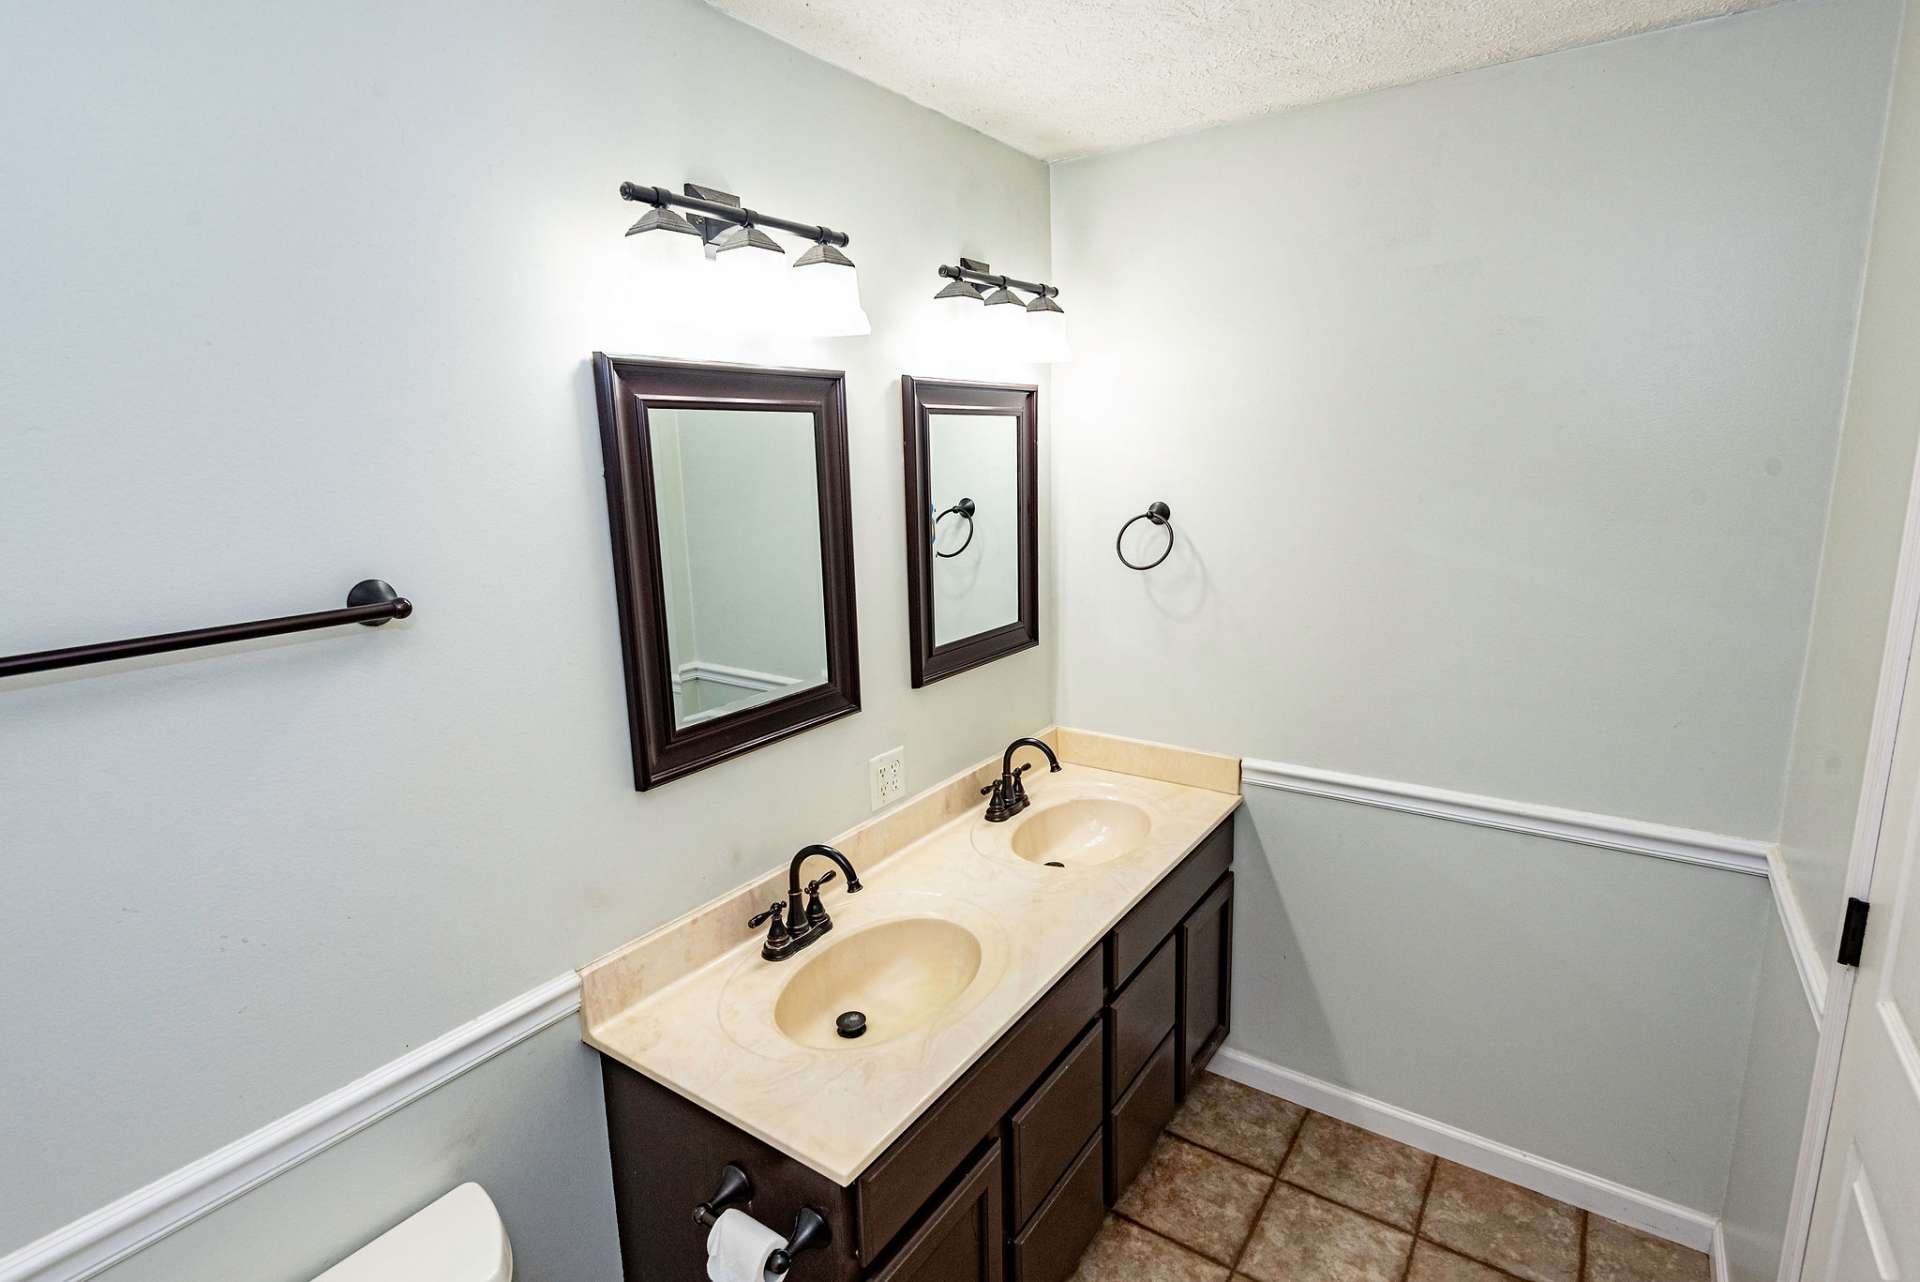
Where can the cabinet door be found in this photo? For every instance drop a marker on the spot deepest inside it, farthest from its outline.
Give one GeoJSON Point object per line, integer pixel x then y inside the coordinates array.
{"type": "Point", "coordinates": [1206, 975]}
{"type": "Point", "coordinates": [962, 1239]}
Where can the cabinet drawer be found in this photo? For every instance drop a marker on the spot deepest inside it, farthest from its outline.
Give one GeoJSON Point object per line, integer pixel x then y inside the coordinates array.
{"type": "Point", "coordinates": [961, 1239]}
{"type": "Point", "coordinates": [1141, 1015]}
{"type": "Point", "coordinates": [1045, 1133]}
{"type": "Point", "coordinates": [1142, 1113]}
{"type": "Point", "coordinates": [1154, 918]}
{"type": "Point", "coordinates": [1050, 1247]}
{"type": "Point", "coordinates": [901, 1179]}
{"type": "Point", "coordinates": [1206, 981]}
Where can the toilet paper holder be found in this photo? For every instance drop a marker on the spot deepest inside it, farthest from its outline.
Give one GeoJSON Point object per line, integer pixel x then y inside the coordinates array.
{"type": "Point", "coordinates": [810, 1228]}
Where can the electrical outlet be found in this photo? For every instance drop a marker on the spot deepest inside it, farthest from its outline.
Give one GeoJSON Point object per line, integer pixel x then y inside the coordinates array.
{"type": "Point", "coordinates": [887, 773]}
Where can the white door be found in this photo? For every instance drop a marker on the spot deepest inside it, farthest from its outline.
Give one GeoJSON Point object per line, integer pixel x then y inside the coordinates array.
{"type": "Point", "coordinates": [1866, 1216]}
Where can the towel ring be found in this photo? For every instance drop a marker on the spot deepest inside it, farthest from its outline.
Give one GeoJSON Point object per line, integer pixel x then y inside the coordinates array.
{"type": "Point", "coordinates": [965, 509]}
{"type": "Point", "coordinates": [1160, 514]}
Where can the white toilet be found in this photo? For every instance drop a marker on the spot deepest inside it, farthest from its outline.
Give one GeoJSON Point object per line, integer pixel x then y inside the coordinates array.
{"type": "Point", "coordinates": [457, 1239]}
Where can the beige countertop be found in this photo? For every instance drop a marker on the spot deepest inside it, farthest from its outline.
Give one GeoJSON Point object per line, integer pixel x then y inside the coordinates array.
{"type": "Point", "coordinates": [693, 1004]}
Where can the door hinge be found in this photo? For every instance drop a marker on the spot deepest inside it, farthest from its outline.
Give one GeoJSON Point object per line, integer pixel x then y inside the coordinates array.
{"type": "Point", "coordinates": [1853, 932]}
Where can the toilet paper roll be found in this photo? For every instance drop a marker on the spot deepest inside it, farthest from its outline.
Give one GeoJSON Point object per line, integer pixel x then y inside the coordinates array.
{"type": "Point", "coordinates": [738, 1248]}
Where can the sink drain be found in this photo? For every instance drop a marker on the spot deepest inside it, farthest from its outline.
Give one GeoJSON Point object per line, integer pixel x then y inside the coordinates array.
{"type": "Point", "coordinates": [1055, 863]}
{"type": "Point", "coordinates": [851, 1023]}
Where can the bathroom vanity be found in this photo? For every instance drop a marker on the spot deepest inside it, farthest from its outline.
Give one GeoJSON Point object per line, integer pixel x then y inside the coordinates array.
{"type": "Point", "coordinates": [1041, 992]}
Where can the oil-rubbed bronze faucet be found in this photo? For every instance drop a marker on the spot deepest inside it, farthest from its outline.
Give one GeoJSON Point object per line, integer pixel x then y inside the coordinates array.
{"type": "Point", "coordinates": [1008, 794]}
{"type": "Point", "coordinates": [793, 927]}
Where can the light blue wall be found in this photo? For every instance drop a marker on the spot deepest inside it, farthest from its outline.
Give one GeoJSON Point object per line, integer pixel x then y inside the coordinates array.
{"type": "Point", "coordinates": [296, 295]}
{"type": "Point", "coordinates": [1773, 1104]}
{"type": "Point", "coordinates": [1871, 478]}
{"type": "Point", "coordinates": [1584, 1005]}
{"type": "Point", "coordinates": [1497, 418]}
{"type": "Point", "coordinates": [528, 1125]}
{"type": "Point", "coordinates": [1499, 436]}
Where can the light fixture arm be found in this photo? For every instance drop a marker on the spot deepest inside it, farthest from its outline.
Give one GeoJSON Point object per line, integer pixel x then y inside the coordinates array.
{"type": "Point", "coordinates": [731, 213]}
{"type": "Point", "coordinates": [969, 270]}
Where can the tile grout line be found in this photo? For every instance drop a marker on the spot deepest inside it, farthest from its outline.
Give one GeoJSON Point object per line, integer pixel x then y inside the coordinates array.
{"type": "Point", "coordinates": [1466, 1255]}
{"type": "Point", "coordinates": [1254, 1226]}
{"type": "Point", "coordinates": [1420, 1215]}
{"type": "Point", "coordinates": [1334, 1201]}
{"type": "Point", "coordinates": [1420, 1221]}
{"type": "Point", "coordinates": [1259, 1213]}
{"type": "Point", "coordinates": [1585, 1219]}
{"type": "Point", "coordinates": [1245, 1166]}
{"type": "Point", "coordinates": [1188, 1247]}
{"type": "Point", "coordinates": [1315, 1193]}
{"type": "Point", "coordinates": [1150, 1231]}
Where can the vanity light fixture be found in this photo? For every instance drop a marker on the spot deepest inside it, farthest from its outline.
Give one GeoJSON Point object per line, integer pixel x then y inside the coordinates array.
{"type": "Point", "coordinates": [1044, 337]}
{"type": "Point", "coordinates": [824, 301]}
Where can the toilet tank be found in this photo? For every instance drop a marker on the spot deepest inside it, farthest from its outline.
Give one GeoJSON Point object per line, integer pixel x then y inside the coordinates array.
{"type": "Point", "coordinates": [457, 1239]}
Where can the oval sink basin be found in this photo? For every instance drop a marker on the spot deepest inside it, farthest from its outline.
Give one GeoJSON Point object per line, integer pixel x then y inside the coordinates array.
{"type": "Point", "coordinates": [901, 975]}
{"type": "Point", "coordinates": [1077, 834]}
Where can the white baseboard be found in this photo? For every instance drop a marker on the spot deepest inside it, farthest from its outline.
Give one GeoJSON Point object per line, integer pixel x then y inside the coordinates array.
{"type": "Point", "coordinates": [1584, 828]}
{"type": "Point", "coordinates": [1644, 1211]}
{"type": "Point", "coordinates": [96, 1242]}
{"type": "Point", "coordinates": [1717, 1253]}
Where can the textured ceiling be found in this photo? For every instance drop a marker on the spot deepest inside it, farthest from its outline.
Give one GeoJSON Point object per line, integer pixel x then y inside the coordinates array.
{"type": "Point", "coordinates": [1063, 78]}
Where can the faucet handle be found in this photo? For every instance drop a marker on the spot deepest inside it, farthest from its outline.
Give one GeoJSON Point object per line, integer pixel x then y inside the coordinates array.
{"type": "Point", "coordinates": [816, 913]}
{"type": "Point", "coordinates": [778, 936]}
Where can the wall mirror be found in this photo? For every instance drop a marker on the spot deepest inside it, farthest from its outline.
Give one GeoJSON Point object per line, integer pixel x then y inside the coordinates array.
{"type": "Point", "coordinates": [732, 555]}
{"type": "Point", "coordinates": [972, 520]}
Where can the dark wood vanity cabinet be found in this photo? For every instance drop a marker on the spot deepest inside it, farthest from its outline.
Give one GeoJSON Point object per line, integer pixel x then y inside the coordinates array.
{"type": "Point", "coordinates": [1008, 1175]}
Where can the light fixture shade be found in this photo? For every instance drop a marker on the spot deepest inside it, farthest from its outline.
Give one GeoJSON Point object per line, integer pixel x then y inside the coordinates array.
{"type": "Point", "coordinates": [664, 260]}
{"type": "Point", "coordinates": [749, 289]}
{"type": "Point", "coordinates": [1047, 335]}
{"type": "Point", "coordinates": [661, 218]}
{"type": "Point", "coordinates": [1002, 297]}
{"type": "Point", "coordinates": [961, 289]}
{"type": "Point", "coordinates": [747, 236]}
{"type": "Point", "coordinates": [825, 295]}
{"type": "Point", "coordinates": [822, 252]}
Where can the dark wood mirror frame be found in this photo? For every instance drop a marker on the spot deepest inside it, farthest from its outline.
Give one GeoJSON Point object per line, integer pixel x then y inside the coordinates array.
{"type": "Point", "coordinates": [918, 398]}
{"type": "Point", "coordinates": [624, 387]}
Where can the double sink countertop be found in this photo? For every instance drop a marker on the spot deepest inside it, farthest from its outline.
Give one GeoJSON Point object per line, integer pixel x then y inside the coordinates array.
{"type": "Point", "coordinates": [962, 926]}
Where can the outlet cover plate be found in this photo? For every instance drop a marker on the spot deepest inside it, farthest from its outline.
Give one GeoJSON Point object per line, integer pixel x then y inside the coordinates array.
{"type": "Point", "coordinates": [887, 777]}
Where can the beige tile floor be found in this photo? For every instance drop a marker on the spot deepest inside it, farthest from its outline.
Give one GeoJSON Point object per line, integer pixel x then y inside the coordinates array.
{"type": "Point", "coordinates": [1249, 1188]}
